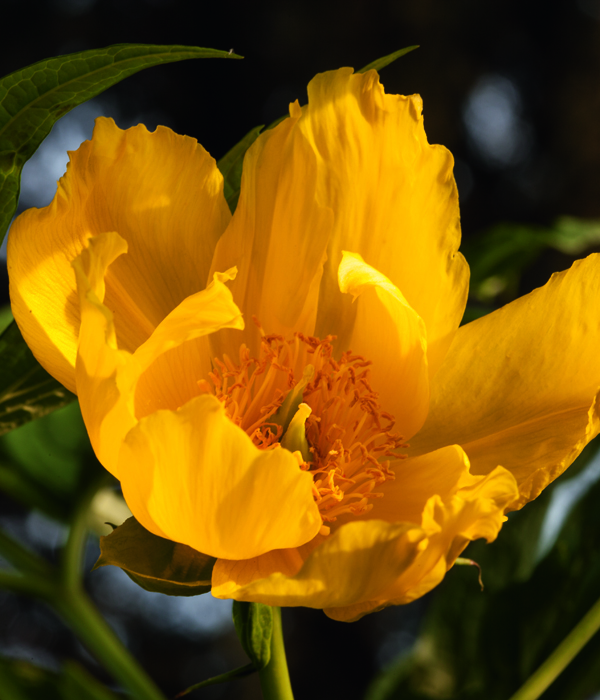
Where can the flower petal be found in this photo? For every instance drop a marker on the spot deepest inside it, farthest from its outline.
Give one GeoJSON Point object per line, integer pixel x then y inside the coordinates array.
{"type": "Point", "coordinates": [391, 334]}
{"type": "Point", "coordinates": [193, 476]}
{"type": "Point", "coordinates": [162, 193]}
{"type": "Point", "coordinates": [277, 238]}
{"type": "Point", "coordinates": [360, 560]}
{"type": "Point", "coordinates": [99, 361]}
{"type": "Point", "coordinates": [519, 386]}
{"type": "Point", "coordinates": [417, 479]}
{"type": "Point", "coordinates": [476, 510]}
{"type": "Point", "coordinates": [106, 377]}
{"type": "Point", "coordinates": [394, 202]}
{"type": "Point", "coordinates": [369, 564]}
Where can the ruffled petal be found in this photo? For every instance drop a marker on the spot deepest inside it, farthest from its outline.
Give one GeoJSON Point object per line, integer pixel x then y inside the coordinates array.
{"type": "Point", "coordinates": [417, 479]}
{"type": "Point", "coordinates": [99, 363]}
{"type": "Point", "coordinates": [359, 560]}
{"type": "Point", "coordinates": [391, 334]}
{"type": "Point", "coordinates": [162, 193]}
{"type": "Point", "coordinates": [193, 476]}
{"type": "Point", "coordinates": [277, 238]}
{"type": "Point", "coordinates": [107, 378]}
{"type": "Point", "coordinates": [519, 386]}
{"type": "Point", "coordinates": [476, 510]}
{"type": "Point", "coordinates": [393, 198]}
{"type": "Point", "coordinates": [370, 563]}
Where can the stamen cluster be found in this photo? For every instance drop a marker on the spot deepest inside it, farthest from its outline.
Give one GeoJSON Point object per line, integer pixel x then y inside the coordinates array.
{"type": "Point", "coordinates": [348, 434]}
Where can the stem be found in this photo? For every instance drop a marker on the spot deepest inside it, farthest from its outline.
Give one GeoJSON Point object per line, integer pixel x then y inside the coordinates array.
{"type": "Point", "coordinates": [561, 657]}
{"type": "Point", "coordinates": [275, 678]}
{"type": "Point", "coordinates": [78, 611]}
{"type": "Point", "coordinates": [22, 558]}
{"type": "Point", "coordinates": [87, 623]}
{"type": "Point", "coordinates": [71, 563]}
{"type": "Point", "coordinates": [28, 584]}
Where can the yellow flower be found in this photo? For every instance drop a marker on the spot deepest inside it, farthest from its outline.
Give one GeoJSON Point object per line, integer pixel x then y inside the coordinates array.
{"type": "Point", "coordinates": [340, 450]}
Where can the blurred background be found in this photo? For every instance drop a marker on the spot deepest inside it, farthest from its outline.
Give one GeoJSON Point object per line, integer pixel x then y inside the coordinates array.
{"type": "Point", "coordinates": [512, 88]}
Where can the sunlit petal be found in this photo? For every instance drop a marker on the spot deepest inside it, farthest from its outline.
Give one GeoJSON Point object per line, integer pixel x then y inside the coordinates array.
{"type": "Point", "coordinates": [198, 478]}
{"type": "Point", "coordinates": [519, 386]}
{"type": "Point", "coordinates": [162, 193]}
{"type": "Point", "coordinates": [392, 336]}
{"type": "Point", "coordinates": [277, 238]}
{"type": "Point", "coordinates": [394, 201]}
{"type": "Point", "coordinates": [358, 561]}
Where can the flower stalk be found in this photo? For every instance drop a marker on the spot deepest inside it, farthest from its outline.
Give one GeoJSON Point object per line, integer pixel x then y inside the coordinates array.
{"type": "Point", "coordinates": [561, 657]}
{"type": "Point", "coordinates": [275, 677]}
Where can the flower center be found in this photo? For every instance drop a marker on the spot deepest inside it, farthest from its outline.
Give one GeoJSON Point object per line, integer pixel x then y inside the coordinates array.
{"type": "Point", "coordinates": [349, 439]}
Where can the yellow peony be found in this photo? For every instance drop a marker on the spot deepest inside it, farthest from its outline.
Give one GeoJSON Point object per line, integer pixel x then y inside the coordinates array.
{"type": "Point", "coordinates": [287, 389]}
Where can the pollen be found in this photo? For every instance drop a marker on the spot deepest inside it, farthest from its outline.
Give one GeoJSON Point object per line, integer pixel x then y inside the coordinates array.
{"type": "Point", "coordinates": [351, 441]}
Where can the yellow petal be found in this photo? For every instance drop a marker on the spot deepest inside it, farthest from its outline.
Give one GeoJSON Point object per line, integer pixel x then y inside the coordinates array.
{"type": "Point", "coordinates": [391, 334]}
{"type": "Point", "coordinates": [370, 563]}
{"type": "Point", "coordinates": [476, 510]}
{"type": "Point", "coordinates": [99, 361]}
{"type": "Point", "coordinates": [393, 198]}
{"type": "Point", "coordinates": [107, 377]}
{"type": "Point", "coordinates": [417, 479]}
{"type": "Point", "coordinates": [195, 477]}
{"type": "Point", "coordinates": [277, 238]}
{"type": "Point", "coordinates": [162, 193]}
{"type": "Point", "coordinates": [176, 356]}
{"type": "Point", "coordinates": [360, 560]}
{"type": "Point", "coordinates": [519, 386]}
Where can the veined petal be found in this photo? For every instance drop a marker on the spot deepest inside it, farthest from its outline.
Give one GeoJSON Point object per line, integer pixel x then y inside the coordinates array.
{"type": "Point", "coordinates": [417, 479]}
{"type": "Point", "coordinates": [393, 198]}
{"type": "Point", "coordinates": [371, 563]}
{"type": "Point", "coordinates": [99, 361]}
{"type": "Point", "coordinates": [162, 193]}
{"type": "Point", "coordinates": [107, 378]}
{"type": "Point", "coordinates": [391, 334]}
{"type": "Point", "coordinates": [359, 560]}
{"type": "Point", "coordinates": [277, 238]}
{"type": "Point", "coordinates": [476, 510]}
{"type": "Point", "coordinates": [193, 476]}
{"type": "Point", "coordinates": [176, 356]}
{"type": "Point", "coordinates": [519, 386]}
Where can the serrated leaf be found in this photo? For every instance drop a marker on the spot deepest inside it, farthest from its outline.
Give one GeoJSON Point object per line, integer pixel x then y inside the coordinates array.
{"type": "Point", "coordinates": [386, 60]}
{"type": "Point", "coordinates": [230, 166]}
{"type": "Point", "coordinates": [27, 391]}
{"type": "Point", "coordinates": [154, 563]}
{"type": "Point", "coordinates": [34, 98]}
{"type": "Point", "coordinates": [254, 627]}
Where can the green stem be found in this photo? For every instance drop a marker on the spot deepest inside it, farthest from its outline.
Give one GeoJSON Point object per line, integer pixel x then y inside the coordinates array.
{"type": "Point", "coordinates": [80, 614]}
{"type": "Point", "coordinates": [28, 584]}
{"type": "Point", "coordinates": [562, 656]}
{"type": "Point", "coordinates": [78, 611]}
{"type": "Point", "coordinates": [22, 558]}
{"type": "Point", "coordinates": [275, 678]}
{"type": "Point", "coordinates": [71, 563]}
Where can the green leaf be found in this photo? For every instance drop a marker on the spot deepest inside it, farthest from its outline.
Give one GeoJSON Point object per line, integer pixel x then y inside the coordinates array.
{"type": "Point", "coordinates": [254, 627]}
{"type": "Point", "coordinates": [230, 166]}
{"type": "Point", "coordinates": [21, 680]}
{"type": "Point", "coordinates": [34, 98]}
{"type": "Point", "coordinates": [47, 464]}
{"type": "Point", "coordinates": [386, 60]}
{"type": "Point", "coordinates": [154, 563]}
{"type": "Point", "coordinates": [499, 256]}
{"type": "Point", "coordinates": [27, 391]}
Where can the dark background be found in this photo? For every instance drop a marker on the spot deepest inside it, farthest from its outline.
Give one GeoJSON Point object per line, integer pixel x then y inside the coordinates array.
{"type": "Point", "coordinates": [511, 87]}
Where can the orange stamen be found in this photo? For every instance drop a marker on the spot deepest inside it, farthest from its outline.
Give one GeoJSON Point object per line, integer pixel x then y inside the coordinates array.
{"type": "Point", "coordinates": [348, 433]}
